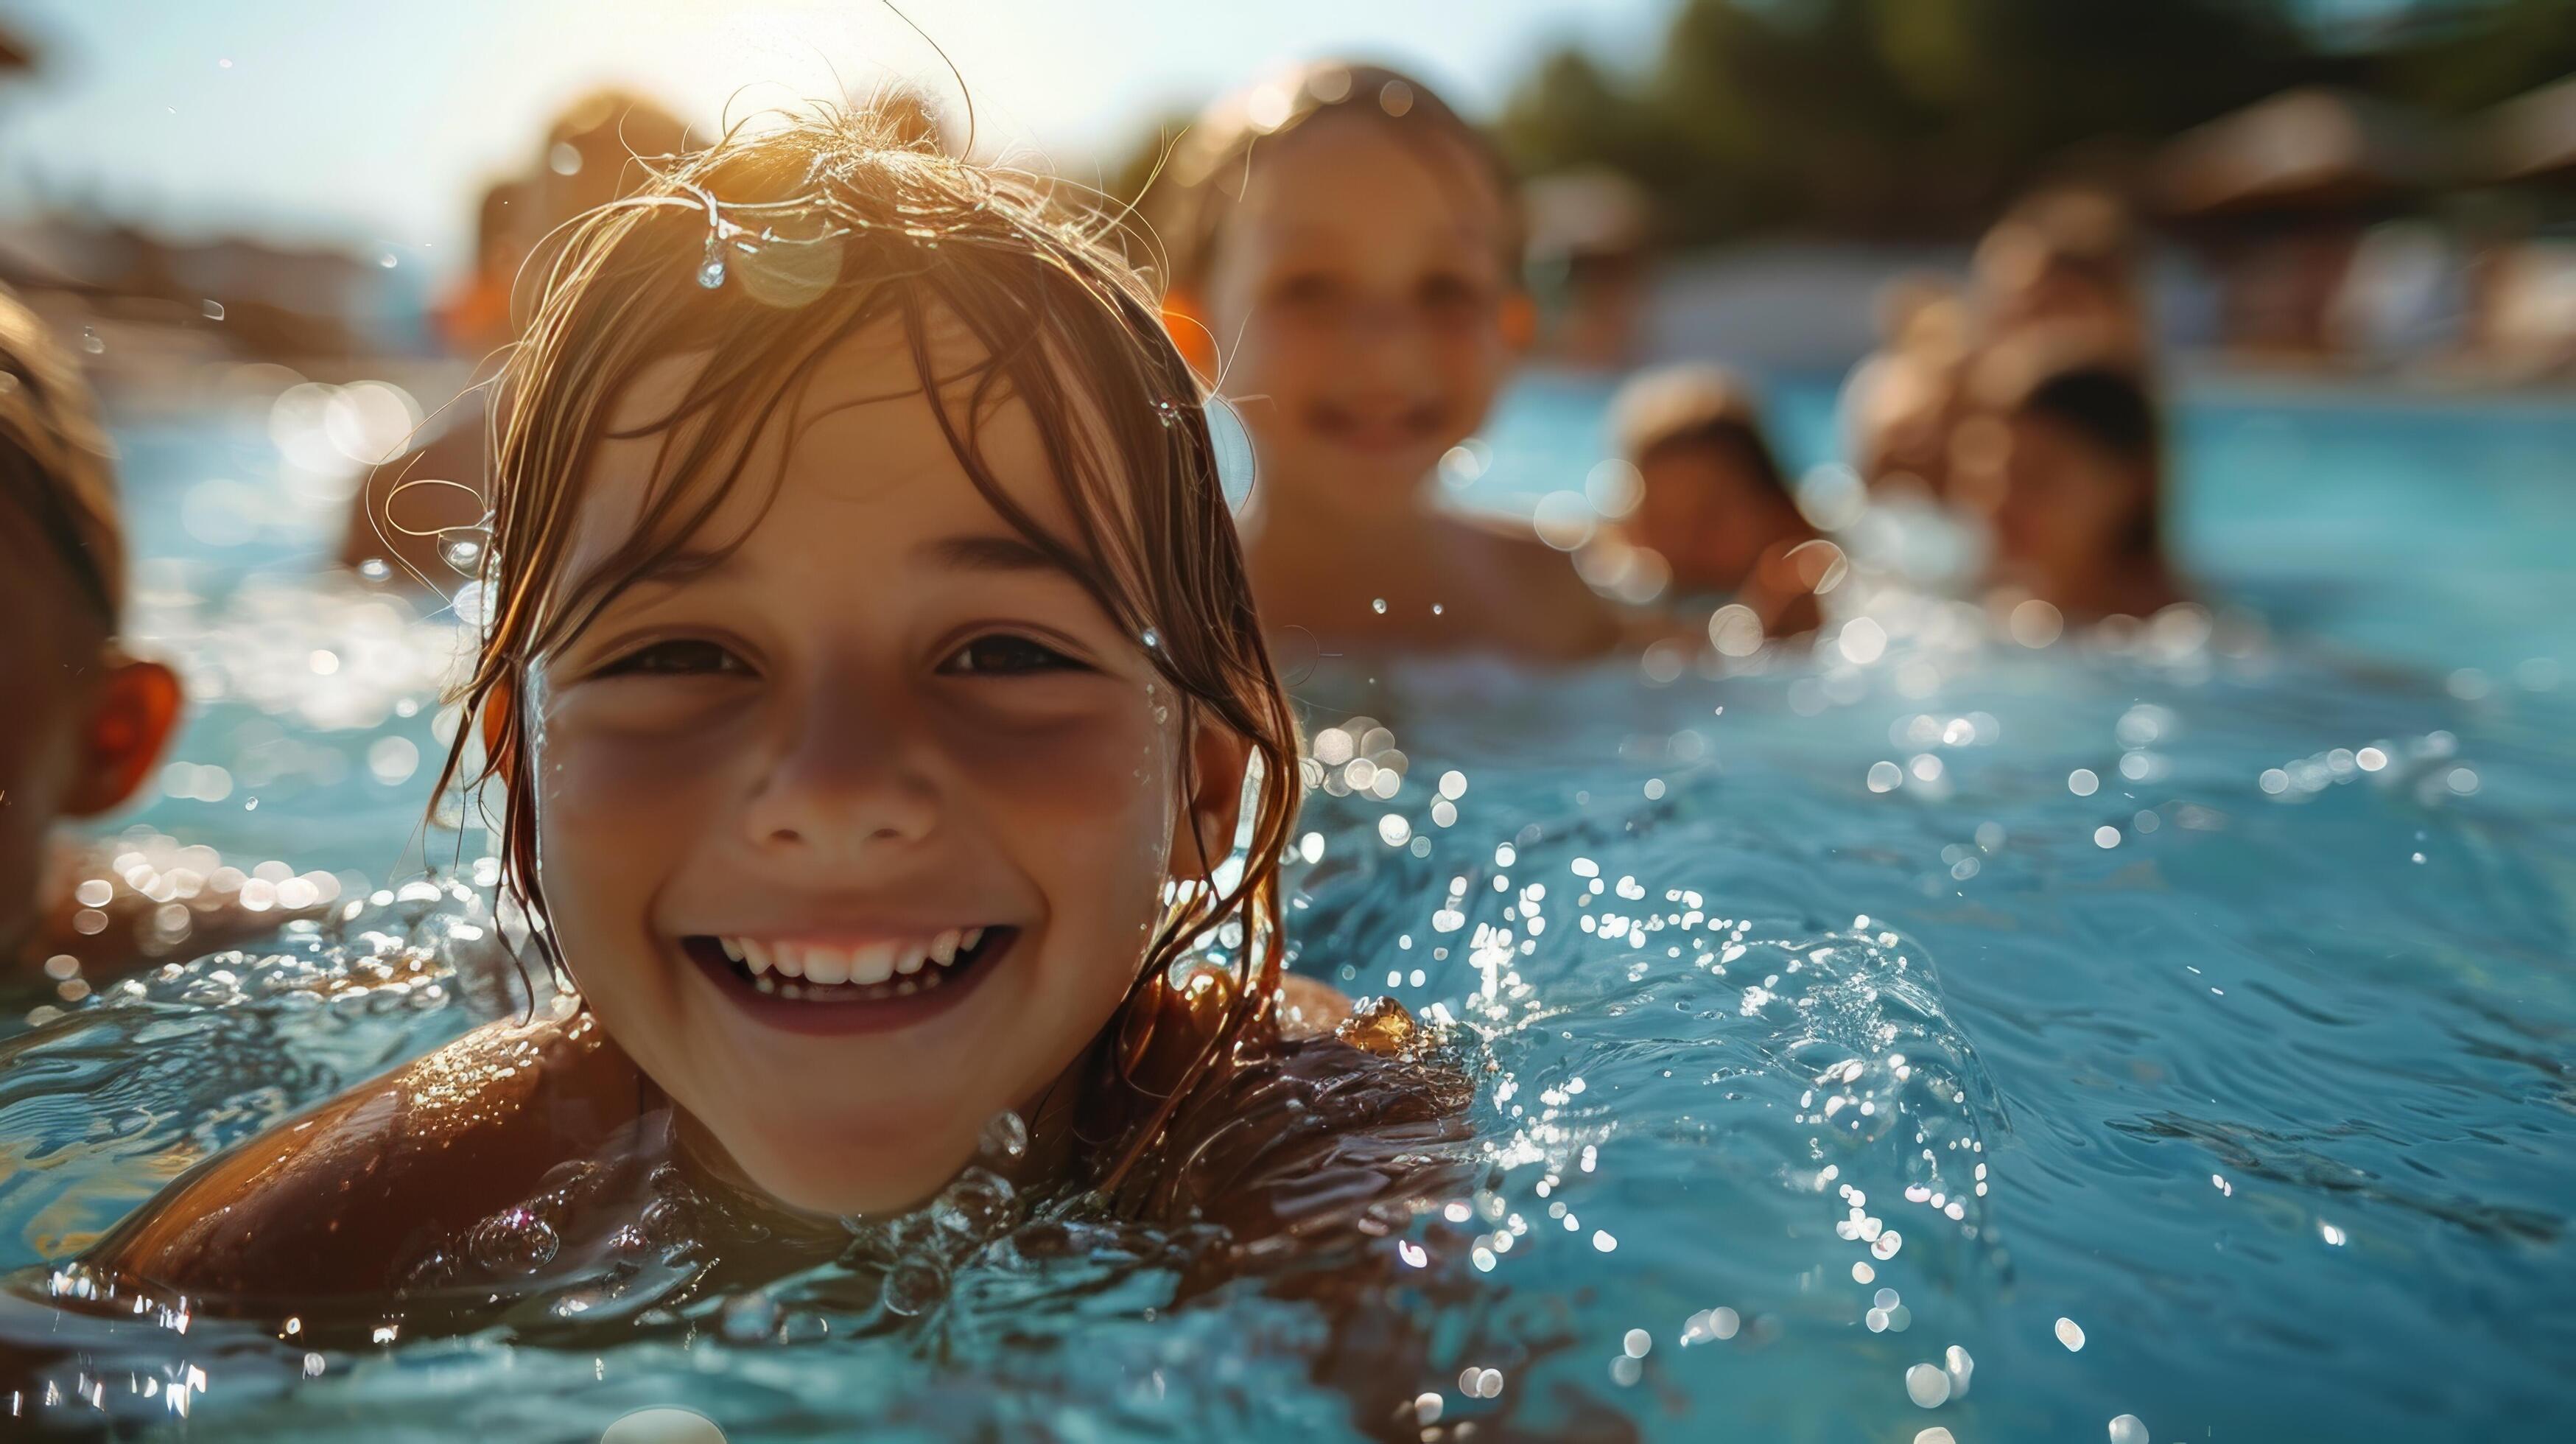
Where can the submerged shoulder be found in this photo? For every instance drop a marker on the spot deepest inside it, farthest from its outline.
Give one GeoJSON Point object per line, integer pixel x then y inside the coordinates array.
{"type": "Point", "coordinates": [1323, 1128]}
{"type": "Point", "coordinates": [342, 1198]}
{"type": "Point", "coordinates": [1558, 615]}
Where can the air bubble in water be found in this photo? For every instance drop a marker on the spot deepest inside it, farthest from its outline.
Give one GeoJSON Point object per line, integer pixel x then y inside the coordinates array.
{"type": "Point", "coordinates": [513, 1241]}
{"type": "Point", "coordinates": [1927, 1385]}
{"type": "Point", "coordinates": [1005, 1138]}
{"type": "Point", "coordinates": [911, 1287]}
{"type": "Point", "coordinates": [2128, 1429]}
{"type": "Point", "coordinates": [977, 1205]}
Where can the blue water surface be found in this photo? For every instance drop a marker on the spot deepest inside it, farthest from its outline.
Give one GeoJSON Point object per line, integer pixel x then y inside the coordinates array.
{"type": "Point", "coordinates": [2164, 1033]}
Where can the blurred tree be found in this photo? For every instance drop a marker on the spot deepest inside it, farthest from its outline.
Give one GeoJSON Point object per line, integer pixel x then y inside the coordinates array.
{"type": "Point", "coordinates": [1921, 117]}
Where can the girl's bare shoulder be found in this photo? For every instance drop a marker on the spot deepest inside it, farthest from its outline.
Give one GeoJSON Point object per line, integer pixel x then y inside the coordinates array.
{"type": "Point", "coordinates": [343, 1198]}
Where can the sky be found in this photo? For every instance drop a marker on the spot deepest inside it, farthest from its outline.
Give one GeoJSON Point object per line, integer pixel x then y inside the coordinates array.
{"type": "Point", "coordinates": [375, 125]}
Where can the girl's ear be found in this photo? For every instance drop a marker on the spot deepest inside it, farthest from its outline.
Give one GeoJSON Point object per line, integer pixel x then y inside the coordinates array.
{"type": "Point", "coordinates": [1520, 321]}
{"type": "Point", "coordinates": [1219, 757]}
{"type": "Point", "coordinates": [1186, 322]}
{"type": "Point", "coordinates": [129, 722]}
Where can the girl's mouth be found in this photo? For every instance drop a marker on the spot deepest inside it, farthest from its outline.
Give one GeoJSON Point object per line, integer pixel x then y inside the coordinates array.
{"type": "Point", "coordinates": [820, 985]}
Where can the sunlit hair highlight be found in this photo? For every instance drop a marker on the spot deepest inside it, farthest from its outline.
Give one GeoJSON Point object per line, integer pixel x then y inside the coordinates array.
{"type": "Point", "coordinates": [756, 257]}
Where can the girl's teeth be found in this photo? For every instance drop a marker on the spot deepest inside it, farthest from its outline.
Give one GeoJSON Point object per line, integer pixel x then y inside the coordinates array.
{"type": "Point", "coordinates": [873, 963]}
{"type": "Point", "coordinates": [827, 965]}
{"type": "Point", "coordinates": [867, 965]}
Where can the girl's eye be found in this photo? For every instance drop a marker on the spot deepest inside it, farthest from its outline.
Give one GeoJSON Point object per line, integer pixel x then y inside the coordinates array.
{"type": "Point", "coordinates": [1309, 292]}
{"type": "Point", "coordinates": [679, 657]}
{"type": "Point", "coordinates": [1006, 654]}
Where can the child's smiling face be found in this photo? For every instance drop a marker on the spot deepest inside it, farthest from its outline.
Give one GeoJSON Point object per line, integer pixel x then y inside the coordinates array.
{"type": "Point", "coordinates": [1357, 300]}
{"type": "Point", "coordinates": [881, 724]}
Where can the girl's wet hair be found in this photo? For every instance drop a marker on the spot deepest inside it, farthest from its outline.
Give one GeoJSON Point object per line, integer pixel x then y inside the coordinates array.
{"type": "Point", "coordinates": [757, 257]}
{"type": "Point", "coordinates": [1204, 179]}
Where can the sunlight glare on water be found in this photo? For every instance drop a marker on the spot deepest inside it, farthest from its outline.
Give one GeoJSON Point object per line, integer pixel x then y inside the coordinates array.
{"type": "Point", "coordinates": [1981, 1028]}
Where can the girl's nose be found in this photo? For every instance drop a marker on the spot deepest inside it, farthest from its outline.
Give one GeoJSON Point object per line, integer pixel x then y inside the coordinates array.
{"type": "Point", "coordinates": [851, 783]}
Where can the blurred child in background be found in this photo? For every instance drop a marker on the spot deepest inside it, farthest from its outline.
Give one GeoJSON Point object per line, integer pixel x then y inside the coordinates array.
{"type": "Point", "coordinates": [84, 721]}
{"type": "Point", "coordinates": [2061, 258]}
{"type": "Point", "coordinates": [2067, 458]}
{"type": "Point", "coordinates": [602, 146]}
{"type": "Point", "coordinates": [1712, 500]}
{"type": "Point", "coordinates": [1344, 263]}
{"type": "Point", "coordinates": [1900, 402]}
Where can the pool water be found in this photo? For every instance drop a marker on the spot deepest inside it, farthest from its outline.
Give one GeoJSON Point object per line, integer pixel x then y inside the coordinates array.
{"type": "Point", "coordinates": [2161, 1035]}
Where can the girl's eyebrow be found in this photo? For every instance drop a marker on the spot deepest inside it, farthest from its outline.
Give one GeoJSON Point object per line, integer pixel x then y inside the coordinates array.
{"type": "Point", "coordinates": [988, 552]}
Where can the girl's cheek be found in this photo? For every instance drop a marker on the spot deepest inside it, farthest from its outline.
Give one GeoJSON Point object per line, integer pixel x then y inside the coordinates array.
{"type": "Point", "coordinates": [1070, 772]}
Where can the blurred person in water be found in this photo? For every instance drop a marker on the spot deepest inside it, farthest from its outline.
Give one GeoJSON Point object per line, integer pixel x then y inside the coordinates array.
{"type": "Point", "coordinates": [876, 698]}
{"type": "Point", "coordinates": [1712, 501]}
{"type": "Point", "coordinates": [85, 720]}
{"type": "Point", "coordinates": [1344, 264]}
{"type": "Point", "coordinates": [412, 509]}
{"type": "Point", "coordinates": [1899, 404]}
{"type": "Point", "coordinates": [2065, 457]}
{"type": "Point", "coordinates": [2062, 258]}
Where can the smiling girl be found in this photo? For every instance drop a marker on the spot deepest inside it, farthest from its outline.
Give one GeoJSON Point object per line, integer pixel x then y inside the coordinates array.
{"type": "Point", "coordinates": [874, 688]}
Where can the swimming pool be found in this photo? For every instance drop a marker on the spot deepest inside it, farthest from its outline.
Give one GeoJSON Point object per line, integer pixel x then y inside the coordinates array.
{"type": "Point", "coordinates": [1945, 1033]}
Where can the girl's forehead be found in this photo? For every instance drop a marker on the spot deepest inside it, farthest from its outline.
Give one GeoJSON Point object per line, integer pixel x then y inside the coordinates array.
{"type": "Point", "coordinates": [1366, 167]}
{"type": "Point", "coordinates": [852, 439]}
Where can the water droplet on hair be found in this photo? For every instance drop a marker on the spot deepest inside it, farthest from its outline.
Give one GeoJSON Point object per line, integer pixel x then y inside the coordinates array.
{"type": "Point", "coordinates": [1166, 412]}
{"type": "Point", "coordinates": [711, 270]}
{"type": "Point", "coordinates": [1378, 605]}
{"type": "Point", "coordinates": [1151, 638]}
{"type": "Point", "coordinates": [90, 341]}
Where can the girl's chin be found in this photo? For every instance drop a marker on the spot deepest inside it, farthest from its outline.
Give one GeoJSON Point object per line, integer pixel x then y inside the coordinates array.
{"type": "Point", "coordinates": [856, 1186]}
{"type": "Point", "coordinates": [831, 1169]}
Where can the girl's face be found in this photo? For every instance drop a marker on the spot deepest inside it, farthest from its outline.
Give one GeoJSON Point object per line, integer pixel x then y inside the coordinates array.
{"type": "Point", "coordinates": [856, 835]}
{"type": "Point", "coordinates": [1357, 300]}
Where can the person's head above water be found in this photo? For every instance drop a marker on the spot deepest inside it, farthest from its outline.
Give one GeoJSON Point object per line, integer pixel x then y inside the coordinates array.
{"type": "Point", "coordinates": [2074, 452]}
{"type": "Point", "coordinates": [2066, 254]}
{"type": "Point", "coordinates": [1345, 250]}
{"type": "Point", "coordinates": [1712, 500]}
{"type": "Point", "coordinates": [870, 664]}
{"type": "Point", "coordinates": [84, 722]}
